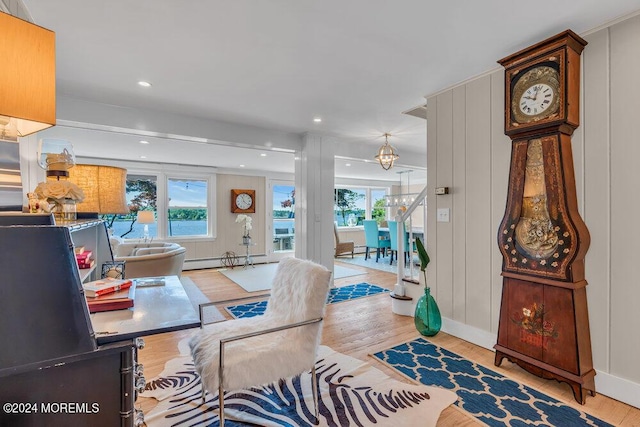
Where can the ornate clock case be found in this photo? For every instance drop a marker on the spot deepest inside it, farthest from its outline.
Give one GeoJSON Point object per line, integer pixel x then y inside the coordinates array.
{"type": "Point", "coordinates": [544, 322]}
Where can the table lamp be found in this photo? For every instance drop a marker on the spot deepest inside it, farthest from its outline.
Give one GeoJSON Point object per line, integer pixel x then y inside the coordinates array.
{"type": "Point", "coordinates": [146, 218]}
{"type": "Point", "coordinates": [104, 188]}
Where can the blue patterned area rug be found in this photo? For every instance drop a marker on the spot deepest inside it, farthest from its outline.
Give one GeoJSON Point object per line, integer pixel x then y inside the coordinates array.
{"type": "Point", "coordinates": [485, 394]}
{"type": "Point", "coordinates": [351, 393]}
{"type": "Point", "coordinates": [340, 294]}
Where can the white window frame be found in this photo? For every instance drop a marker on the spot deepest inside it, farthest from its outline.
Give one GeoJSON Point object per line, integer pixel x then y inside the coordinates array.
{"type": "Point", "coordinates": [368, 205]}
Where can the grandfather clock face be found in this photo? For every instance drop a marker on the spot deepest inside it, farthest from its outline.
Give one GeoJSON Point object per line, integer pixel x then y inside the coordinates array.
{"type": "Point", "coordinates": [536, 94]}
{"type": "Point", "coordinates": [536, 236]}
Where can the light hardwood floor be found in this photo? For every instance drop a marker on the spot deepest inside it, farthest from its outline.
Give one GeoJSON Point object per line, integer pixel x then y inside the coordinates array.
{"type": "Point", "coordinates": [367, 325]}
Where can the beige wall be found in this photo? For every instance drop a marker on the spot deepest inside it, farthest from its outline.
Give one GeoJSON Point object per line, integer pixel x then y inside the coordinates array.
{"type": "Point", "coordinates": [468, 151]}
{"type": "Point", "coordinates": [228, 232]}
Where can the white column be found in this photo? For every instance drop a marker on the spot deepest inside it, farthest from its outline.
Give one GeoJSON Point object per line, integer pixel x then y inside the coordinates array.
{"type": "Point", "coordinates": [314, 168]}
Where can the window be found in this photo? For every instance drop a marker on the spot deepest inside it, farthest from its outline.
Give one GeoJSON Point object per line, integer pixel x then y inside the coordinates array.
{"type": "Point", "coordinates": [354, 205]}
{"type": "Point", "coordinates": [187, 213]}
{"type": "Point", "coordinates": [349, 206]}
{"type": "Point", "coordinates": [142, 191]}
{"type": "Point", "coordinates": [284, 200]}
{"type": "Point", "coordinates": [378, 202]}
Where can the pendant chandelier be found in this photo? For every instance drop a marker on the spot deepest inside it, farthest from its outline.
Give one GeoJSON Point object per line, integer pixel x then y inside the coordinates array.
{"type": "Point", "coordinates": [386, 154]}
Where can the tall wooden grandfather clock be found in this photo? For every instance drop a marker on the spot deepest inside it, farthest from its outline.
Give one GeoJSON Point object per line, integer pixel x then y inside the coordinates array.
{"type": "Point", "coordinates": [544, 322]}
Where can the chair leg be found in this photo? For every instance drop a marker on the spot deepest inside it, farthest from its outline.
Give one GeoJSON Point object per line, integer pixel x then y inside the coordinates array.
{"type": "Point", "coordinates": [221, 404]}
{"type": "Point", "coordinates": [377, 254]}
{"type": "Point", "coordinates": [366, 253]}
{"type": "Point", "coordinates": [391, 260]}
{"type": "Point", "coordinates": [314, 384]}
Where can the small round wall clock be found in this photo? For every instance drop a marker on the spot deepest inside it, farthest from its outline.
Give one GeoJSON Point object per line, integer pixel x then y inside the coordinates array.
{"type": "Point", "coordinates": [243, 201]}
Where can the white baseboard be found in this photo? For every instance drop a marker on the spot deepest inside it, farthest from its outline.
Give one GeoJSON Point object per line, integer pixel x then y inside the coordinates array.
{"type": "Point", "coordinates": [469, 333]}
{"type": "Point", "coordinates": [618, 388]}
{"type": "Point", "coordinates": [197, 264]}
{"type": "Point", "coordinates": [609, 385]}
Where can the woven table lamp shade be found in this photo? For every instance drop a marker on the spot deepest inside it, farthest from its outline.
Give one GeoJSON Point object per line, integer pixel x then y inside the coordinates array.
{"type": "Point", "coordinates": [104, 188]}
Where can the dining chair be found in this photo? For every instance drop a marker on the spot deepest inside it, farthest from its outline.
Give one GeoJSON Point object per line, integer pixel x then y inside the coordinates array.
{"type": "Point", "coordinates": [342, 247]}
{"type": "Point", "coordinates": [393, 237]}
{"type": "Point", "coordinates": [281, 343]}
{"type": "Point", "coordinates": [373, 239]}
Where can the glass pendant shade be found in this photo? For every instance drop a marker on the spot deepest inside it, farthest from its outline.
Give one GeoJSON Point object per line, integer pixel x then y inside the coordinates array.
{"type": "Point", "coordinates": [56, 156]}
{"type": "Point", "coordinates": [386, 154]}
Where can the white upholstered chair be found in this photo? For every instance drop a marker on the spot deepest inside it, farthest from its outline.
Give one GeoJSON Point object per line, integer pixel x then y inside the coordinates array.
{"type": "Point", "coordinates": [281, 343]}
{"type": "Point", "coordinates": [150, 259]}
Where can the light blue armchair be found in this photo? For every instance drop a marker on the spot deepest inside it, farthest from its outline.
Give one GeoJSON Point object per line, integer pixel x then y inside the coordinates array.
{"type": "Point", "coordinates": [373, 239]}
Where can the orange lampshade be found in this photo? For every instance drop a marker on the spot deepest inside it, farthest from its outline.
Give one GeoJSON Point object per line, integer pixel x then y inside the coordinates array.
{"type": "Point", "coordinates": [27, 78]}
{"type": "Point", "coordinates": [105, 188]}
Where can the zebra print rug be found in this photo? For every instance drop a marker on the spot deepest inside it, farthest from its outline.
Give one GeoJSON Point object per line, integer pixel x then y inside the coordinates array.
{"type": "Point", "coordinates": [351, 393]}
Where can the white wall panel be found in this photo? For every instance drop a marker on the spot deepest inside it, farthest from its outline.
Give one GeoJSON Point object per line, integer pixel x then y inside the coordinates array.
{"type": "Point", "coordinates": [625, 203]}
{"type": "Point", "coordinates": [479, 231]}
{"type": "Point", "coordinates": [595, 131]}
{"type": "Point", "coordinates": [500, 160]}
{"type": "Point", "coordinates": [458, 207]}
{"type": "Point", "coordinates": [432, 235]}
{"type": "Point", "coordinates": [444, 176]}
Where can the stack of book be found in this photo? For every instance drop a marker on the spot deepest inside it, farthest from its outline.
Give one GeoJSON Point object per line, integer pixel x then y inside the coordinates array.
{"type": "Point", "coordinates": [109, 294]}
{"type": "Point", "coordinates": [83, 257]}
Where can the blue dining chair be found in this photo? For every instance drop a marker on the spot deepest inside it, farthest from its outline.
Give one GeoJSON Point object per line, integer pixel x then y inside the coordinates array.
{"type": "Point", "coordinates": [373, 239]}
{"type": "Point", "coordinates": [393, 238]}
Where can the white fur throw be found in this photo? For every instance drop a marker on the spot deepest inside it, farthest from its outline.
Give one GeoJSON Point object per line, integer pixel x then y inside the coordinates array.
{"type": "Point", "coordinates": [298, 293]}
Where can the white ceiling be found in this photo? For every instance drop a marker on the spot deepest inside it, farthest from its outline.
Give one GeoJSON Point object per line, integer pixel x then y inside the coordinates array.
{"type": "Point", "coordinates": [277, 64]}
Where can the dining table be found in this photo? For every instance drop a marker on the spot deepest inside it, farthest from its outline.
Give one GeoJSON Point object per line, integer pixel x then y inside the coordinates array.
{"type": "Point", "coordinates": [416, 231]}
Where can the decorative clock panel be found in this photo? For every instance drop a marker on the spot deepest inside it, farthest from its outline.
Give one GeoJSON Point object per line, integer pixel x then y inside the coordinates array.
{"type": "Point", "coordinates": [537, 236]}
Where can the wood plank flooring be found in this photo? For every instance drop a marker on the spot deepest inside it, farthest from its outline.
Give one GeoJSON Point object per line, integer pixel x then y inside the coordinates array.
{"type": "Point", "coordinates": [364, 326]}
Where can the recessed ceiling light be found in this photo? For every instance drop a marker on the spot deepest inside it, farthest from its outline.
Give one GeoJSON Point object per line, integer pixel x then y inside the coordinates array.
{"type": "Point", "coordinates": [317, 119]}
{"type": "Point", "coordinates": [143, 157]}
{"type": "Point", "coordinates": [296, 158]}
{"type": "Point", "coordinates": [241, 166]}
{"type": "Point", "coordinates": [144, 84]}
{"type": "Point", "coordinates": [144, 142]}
{"type": "Point", "coordinates": [348, 164]}
{"type": "Point", "coordinates": [263, 155]}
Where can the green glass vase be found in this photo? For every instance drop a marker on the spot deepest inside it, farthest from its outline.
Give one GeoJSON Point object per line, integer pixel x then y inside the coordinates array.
{"type": "Point", "coordinates": [427, 316]}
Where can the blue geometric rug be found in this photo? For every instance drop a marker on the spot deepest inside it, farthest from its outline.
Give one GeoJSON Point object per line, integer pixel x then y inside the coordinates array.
{"type": "Point", "coordinates": [343, 293]}
{"type": "Point", "coordinates": [487, 395]}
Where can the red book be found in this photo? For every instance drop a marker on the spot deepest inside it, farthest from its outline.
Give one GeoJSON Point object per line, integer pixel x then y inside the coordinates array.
{"type": "Point", "coordinates": [86, 264]}
{"type": "Point", "coordinates": [115, 301]}
{"type": "Point", "coordinates": [84, 255]}
{"type": "Point", "coordinates": [105, 286]}
{"type": "Point", "coordinates": [109, 305]}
